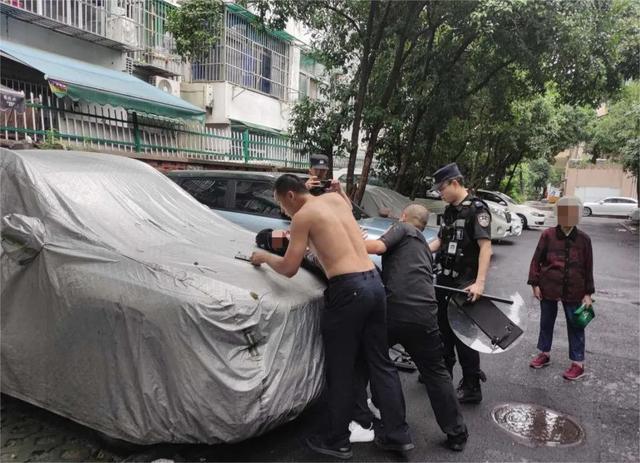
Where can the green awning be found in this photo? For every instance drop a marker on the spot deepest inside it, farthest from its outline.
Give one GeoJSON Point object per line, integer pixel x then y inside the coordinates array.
{"type": "Point", "coordinates": [257, 128]}
{"type": "Point", "coordinates": [255, 19]}
{"type": "Point", "coordinates": [96, 84]}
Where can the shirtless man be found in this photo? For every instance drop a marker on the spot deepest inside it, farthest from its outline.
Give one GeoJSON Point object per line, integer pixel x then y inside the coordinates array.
{"type": "Point", "coordinates": [354, 319]}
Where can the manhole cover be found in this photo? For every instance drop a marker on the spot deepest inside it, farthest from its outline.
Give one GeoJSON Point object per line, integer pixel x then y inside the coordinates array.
{"type": "Point", "coordinates": [534, 425]}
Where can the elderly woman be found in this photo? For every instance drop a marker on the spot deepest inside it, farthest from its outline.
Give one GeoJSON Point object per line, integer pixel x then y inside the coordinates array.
{"type": "Point", "coordinates": [562, 270]}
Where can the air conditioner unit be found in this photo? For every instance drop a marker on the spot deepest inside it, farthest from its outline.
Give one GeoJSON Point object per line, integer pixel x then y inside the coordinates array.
{"type": "Point", "coordinates": [167, 85]}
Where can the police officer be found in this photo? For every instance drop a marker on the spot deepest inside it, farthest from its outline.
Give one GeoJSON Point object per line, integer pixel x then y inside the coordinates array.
{"type": "Point", "coordinates": [318, 183]}
{"type": "Point", "coordinates": [464, 253]}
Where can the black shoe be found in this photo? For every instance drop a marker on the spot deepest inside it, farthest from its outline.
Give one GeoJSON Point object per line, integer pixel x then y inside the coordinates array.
{"type": "Point", "coordinates": [457, 442]}
{"type": "Point", "coordinates": [402, 360]}
{"type": "Point", "coordinates": [469, 390]}
{"type": "Point", "coordinates": [317, 444]}
{"type": "Point", "coordinates": [385, 445]}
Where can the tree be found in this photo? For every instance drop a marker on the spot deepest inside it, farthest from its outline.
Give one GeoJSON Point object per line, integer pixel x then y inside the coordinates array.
{"type": "Point", "coordinates": [318, 125]}
{"type": "Point", "coordinates": [617, 134]}
{"type": "Point", "coordinates": [196, 26]}
{"type": "Point", "coordinates": [427, 82]}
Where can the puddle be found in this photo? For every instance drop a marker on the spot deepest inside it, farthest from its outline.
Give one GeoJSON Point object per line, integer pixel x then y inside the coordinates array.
{"type": "Point", "coordinates": [537, 426]}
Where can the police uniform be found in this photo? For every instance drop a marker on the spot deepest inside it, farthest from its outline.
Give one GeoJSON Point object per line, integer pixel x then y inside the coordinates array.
{"type": "Point", "coordinates": [461, 227]}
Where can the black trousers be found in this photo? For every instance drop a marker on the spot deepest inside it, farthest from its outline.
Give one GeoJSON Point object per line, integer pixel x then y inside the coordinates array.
{"type": "Point", "coordinates": [424, 345]}
{"type": "Point", "coordinates": [469, 358]}
{"type": "Point", "coordinates": [354, 325]}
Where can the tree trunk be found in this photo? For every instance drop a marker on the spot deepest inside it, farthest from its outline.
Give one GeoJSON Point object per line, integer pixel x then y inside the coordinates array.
{"type": "Point", "coordinates": [369, 55]}
{"type": "Point", "coordinates": [395, 76]}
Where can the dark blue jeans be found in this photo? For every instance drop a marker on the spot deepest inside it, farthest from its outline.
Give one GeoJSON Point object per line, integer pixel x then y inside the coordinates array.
{"type": "Point", "coordinates": [354, 327]}
{"type": "Point", "coordinates": [548, 313]}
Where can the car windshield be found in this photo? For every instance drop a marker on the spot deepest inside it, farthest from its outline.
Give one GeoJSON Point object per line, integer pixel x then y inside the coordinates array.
{"type": "Point", "coordinates": [507, 198]}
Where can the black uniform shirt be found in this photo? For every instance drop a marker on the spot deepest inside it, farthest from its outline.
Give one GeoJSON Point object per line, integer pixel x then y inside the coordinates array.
{"type": "Point", "coordinates": [477, 225]}
{"type": "Point", "coordinates": [407, 273]}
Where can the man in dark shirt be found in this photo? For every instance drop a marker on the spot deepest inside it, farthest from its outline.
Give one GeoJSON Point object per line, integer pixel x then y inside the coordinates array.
{"type": "Point", "coordinates": [412, 316]}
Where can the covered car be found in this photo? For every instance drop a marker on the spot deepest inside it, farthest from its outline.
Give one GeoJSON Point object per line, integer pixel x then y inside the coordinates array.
{"type": "Point", "coordinates": [124, 309]}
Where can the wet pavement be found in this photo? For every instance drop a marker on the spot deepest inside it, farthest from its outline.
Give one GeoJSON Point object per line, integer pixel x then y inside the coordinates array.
{"type": "Point", "coordinates": [604, 404]}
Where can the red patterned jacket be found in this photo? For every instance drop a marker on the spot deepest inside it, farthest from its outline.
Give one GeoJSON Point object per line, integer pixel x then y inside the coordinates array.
{"type": "Point", "coordinates": [562, 266]}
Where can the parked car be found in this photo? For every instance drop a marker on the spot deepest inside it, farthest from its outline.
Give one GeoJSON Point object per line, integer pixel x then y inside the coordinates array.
{"type": "Point", "coordinates": [341, 175]}
{"type": "Point", "coordinates": [613, 205]}
{"type": "Point", "coordinates": [246, 199]}
{"type": "Point", "coordinates": [124, 309]}
{"type": "Point", "coordinates": [502, 225]}
{"type": "Point", "coordinates": [529, 215]}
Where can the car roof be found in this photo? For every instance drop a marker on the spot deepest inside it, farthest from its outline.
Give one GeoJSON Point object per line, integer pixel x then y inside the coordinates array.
{"type": "Point", "coordinates": [231, 174]}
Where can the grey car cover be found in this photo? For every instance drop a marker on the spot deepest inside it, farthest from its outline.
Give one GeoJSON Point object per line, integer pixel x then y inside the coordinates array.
{"type": "Point", "coordinates": [124, 309]}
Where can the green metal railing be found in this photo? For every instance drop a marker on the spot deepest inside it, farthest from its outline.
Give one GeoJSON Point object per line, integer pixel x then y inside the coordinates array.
{"type": "Point", "coordinates": [109, 130]}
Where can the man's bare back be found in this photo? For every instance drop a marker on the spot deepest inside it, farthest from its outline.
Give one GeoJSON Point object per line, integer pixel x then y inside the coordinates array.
{"type": "Point", "coordinates": [334, 235]}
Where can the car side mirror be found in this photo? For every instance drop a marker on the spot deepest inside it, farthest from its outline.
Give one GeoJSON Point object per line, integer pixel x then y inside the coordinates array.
{"type": "Point", "coordinates": [22, 237]}
{"type": "Point", "coordinates": [503, 203]}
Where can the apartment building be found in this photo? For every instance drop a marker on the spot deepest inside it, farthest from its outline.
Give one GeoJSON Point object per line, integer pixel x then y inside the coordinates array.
{"type": "Point", "coordinates": [103, 74]}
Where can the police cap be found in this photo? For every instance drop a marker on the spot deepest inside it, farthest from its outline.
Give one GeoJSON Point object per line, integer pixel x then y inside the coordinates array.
{"type": "Point", "coordinates": [445, 173]}
{"type": "Point", "coordinates": [319, 161]}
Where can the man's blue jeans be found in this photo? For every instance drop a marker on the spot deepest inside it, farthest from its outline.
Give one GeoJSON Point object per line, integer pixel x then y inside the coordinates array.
{"type": "Point", "coordinates": [548, 313]}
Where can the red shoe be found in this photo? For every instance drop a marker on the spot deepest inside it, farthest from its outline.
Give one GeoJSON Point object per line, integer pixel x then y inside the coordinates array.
{"type": "Point", "coordinates": [574, 372]}
{"type": "Point", "coordinates": [541, 360]}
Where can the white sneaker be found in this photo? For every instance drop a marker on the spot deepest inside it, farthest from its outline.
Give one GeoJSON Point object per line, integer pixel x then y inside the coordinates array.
{"type": "Point", "coordinates": [359, 434]}
{"type": "Point", "coordinates": [373, 409]}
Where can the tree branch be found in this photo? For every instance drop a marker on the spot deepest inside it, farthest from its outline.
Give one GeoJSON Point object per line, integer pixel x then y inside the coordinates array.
{"type": "Point", "coordinates": [341, 13]}
{"type": "Point", "coordinates": [489, 76]}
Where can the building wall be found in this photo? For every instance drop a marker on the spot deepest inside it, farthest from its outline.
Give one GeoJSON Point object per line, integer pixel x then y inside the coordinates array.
{"type": "Point", "coordinates": [44, 39]}
{"type": "Point", "coordinates": [238, 103]}
{"type": "Point", "coordinates": [605, 177]}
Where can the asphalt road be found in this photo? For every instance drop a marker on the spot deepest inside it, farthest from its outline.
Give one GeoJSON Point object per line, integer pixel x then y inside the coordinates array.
{"type": "Point", "coordinates": [605, 403]}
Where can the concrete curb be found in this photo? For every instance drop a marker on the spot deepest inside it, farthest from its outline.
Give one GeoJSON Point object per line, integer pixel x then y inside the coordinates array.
{"type": "Point", "coordinates": [630, 227]}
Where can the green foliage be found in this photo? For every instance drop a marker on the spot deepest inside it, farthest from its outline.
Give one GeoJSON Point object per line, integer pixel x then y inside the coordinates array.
{"type": "Point", "coordinates": [52, 141]}
{"type": "Point", "coordinates": [196, 26]}
{"type": "Point", "coordinates": [617, 134]}
{"type": "Point", "coordinates": [499, 86]}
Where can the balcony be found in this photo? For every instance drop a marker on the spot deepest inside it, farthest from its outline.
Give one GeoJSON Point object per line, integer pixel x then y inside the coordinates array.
{"type": "Point", "coordinates": [157, 51]}
{"type": "Point", "coordinates": [112, 23]}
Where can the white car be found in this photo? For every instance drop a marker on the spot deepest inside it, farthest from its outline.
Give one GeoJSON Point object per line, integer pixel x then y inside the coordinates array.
{"type": "Point", "coordinates": [502, 222]}
{"type": "Point", "coordinates": [516, 225]}
{"type": "Point", "coordinates": [613, 205]}
{"type": "Point", "coordinates": [529, 215]}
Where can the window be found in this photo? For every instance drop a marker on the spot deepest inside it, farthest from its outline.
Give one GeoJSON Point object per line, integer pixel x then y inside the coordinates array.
{"type": "Point", "coordinates": [255, 197]}
{"type": "Point", "coordinates": [248, 56]}
{"type": "Point", "coordinates": [211, 192]}
{"type": "Point", "coordinates": [628, 201]}
{"type": "Point", "coordinates": [308, 80]}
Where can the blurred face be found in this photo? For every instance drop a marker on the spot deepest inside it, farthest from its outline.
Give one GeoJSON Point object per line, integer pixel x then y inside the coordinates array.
{"type": "Point", "coordinates": [320, 173]}
{"type": "Point", "coordinates": [568, 216]}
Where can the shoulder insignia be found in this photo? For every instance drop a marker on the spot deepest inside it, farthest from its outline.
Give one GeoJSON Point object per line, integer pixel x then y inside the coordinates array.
{"type": "Point", "coordinates": [484, 219]}
{"type": "Point", "coordinates": [479, 204]}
